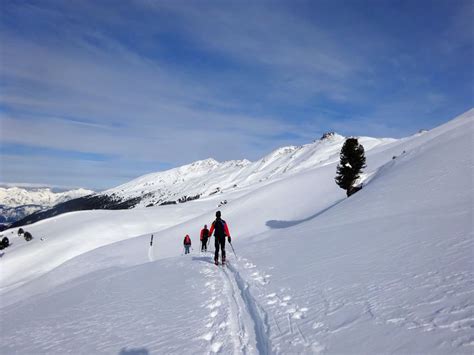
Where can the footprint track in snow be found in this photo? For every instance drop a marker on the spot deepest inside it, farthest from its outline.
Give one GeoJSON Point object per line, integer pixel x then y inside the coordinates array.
{"type": "Point", "coordinates": [246, 308]}
{"type": "Point", "coordinates": [261, 279]}
{"type": "Point", "coordinates": [214, 305]}
{"type": "Point", "coordinates": [208, 336]}
{"type": "Point", "coordinates": [216, 347]}
{"type": "Point", "coordinates": [284, 302]}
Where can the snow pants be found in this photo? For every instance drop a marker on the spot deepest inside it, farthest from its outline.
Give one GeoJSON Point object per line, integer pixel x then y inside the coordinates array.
{"type": "Point", "coordinates": [219, 242]}
{"type": "Point", "coordinates": [204, 244]}
{"type": "Point", "coordinates": [186, 249]}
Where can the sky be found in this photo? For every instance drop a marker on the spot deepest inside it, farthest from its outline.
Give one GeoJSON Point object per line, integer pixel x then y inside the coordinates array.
{"type": "Point", "coordinates": [95, 93]}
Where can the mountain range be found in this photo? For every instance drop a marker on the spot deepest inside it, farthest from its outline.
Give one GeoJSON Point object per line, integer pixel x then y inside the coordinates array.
{"type": "Point", "coordinates": [16, 202]}
{"type": "Point", "coordinates": [209, 177]}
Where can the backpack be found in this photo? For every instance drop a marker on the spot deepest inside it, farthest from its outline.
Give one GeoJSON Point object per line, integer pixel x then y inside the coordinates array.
{"type": "Point", "coordinates": [219, 228]}
{"type": "Point", "coordinates": [205, 233]}
{"type": "Point", "coordinates": [187, 240]}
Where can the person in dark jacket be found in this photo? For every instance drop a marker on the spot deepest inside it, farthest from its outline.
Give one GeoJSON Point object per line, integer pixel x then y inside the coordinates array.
{"type": "Point", "coordinates": [204, 238]}
{"type": "Point", "coordinates": [221, 230]}
{"type": "Point", "coordinates": [187, 244]}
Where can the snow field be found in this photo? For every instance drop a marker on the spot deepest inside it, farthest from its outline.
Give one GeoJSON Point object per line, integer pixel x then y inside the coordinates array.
{"type": "Point", "coordinates": [388, 270]}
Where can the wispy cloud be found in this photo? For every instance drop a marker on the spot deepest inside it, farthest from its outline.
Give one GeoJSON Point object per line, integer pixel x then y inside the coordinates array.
{"type": "Point", "coordinates": [155, 84]}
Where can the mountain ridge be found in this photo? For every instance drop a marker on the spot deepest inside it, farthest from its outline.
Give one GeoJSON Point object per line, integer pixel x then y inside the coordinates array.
{"type": "Point", "coordinates": [16, 203]}
{"type": "Point", "coordinates": [208, 177]}
{"type": "Point", "coordinates": [17, 196]}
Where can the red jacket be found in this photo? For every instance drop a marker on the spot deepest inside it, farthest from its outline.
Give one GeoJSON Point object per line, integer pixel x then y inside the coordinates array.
{"type": "Point", "coordinates": [203, 232]}
{"type": "Point", "coordinates": [226, 229]}
{"type": "Point", "coordinates": [187, 240]}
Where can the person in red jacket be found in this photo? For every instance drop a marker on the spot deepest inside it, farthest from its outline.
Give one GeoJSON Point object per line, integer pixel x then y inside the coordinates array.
{"type": "Point", "coordinates": [187, 244]}
{"type": "Point", "coordinates": [221, 230]}
{"type": "Point", "coordinates": [204, 238]}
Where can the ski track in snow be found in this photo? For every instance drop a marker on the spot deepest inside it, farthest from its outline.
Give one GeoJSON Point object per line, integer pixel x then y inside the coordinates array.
{"type": "Point", "coordinates": [339, 310]}
{"type": "Point", "coordinates": [242, 320]}
{"type": "Point", "coordinates": [252, 308]}
{"type": "Point", "coordinates": [245, 319]}
{"type": "Point", "coordinates": [286, 317]}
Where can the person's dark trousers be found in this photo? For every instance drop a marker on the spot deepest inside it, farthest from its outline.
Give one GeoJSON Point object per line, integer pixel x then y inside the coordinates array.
{"type": "Point", "coordinates": [204, 244]}
{"type": "Point", "coordinates": [219, 241]}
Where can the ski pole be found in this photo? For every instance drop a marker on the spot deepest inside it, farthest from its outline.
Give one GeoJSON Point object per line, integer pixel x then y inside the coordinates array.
{"type": "Point", "coordinates": [233, 249]}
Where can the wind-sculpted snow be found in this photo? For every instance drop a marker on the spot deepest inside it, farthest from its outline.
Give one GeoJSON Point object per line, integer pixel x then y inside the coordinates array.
{"type": "Point", "coordinates": [388, 270]}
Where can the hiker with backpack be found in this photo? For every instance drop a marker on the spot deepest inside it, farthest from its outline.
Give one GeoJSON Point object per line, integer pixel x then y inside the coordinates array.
{"type": "Point", "coordinates": [204, 238]}
{"type": "Point", "coordinates": [187, 244]}
{"type": "Point", "coordinates": [221, 230]}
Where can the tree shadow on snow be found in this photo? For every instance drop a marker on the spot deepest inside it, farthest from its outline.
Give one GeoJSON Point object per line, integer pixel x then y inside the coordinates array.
{"type": "Point", "coordinates": [206, 259]}
{"type": "Point", "coordinates": [276, 224]}
{"type": "Point", "coordinates": [134, 351]}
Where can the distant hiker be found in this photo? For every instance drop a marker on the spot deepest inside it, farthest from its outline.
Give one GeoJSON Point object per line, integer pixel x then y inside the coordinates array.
{"type": "Point", "coordinates": [187, 244]}
{"type": "Point", "coordinates": [220, 229]}
{"type": "Point", "coordinates": [204, 238]}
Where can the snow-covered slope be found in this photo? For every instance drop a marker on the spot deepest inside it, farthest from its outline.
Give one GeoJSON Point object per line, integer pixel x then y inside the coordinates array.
{"type": "Point", "coordinates": [208, 177]}
{"type": "Point", "coordinates": [16, 196]}
{"type": "Point", "coordinates": [387, 270]}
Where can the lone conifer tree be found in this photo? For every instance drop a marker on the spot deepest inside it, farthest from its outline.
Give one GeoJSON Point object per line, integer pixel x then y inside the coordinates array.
{"type": "Point", "coordinates": [350, 166]}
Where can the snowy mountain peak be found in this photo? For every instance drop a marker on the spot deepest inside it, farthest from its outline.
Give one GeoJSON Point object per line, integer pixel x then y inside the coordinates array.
{"type": "Point", "coordinates": [197, 166]}
{"type": "Point", "coordinates": [204, 163]}
{"type": "Point", "coordinates": [16, 196]}
{"type": "Point", "coordinates": [330, 136]}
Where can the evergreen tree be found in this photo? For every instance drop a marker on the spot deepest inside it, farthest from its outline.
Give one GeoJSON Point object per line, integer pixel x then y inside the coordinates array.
{"type": "Point", "coordinates": [350, 166]}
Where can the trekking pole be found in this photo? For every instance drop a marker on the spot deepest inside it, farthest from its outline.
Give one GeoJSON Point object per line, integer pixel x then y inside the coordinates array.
{"type": "Point", "coordinates": [233, 249]}
{"type": "Point", "coordinates": [151, 241]}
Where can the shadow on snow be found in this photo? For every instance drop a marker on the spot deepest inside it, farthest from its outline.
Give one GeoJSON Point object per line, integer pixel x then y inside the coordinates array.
{"type": "Point", "coordinates": [134, 351]}
{"type": "Point", "coordinates": [276, 224]}
{"type": "Point", "coordinates": [205, 259]}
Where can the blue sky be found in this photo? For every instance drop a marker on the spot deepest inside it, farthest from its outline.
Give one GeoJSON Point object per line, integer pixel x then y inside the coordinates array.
{"type": "Point", "coordinates": [95, 93]}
